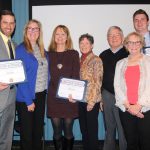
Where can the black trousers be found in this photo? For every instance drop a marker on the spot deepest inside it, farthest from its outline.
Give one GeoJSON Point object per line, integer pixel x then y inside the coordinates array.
{"type": "Point", "coordinates": [89, 126]}
{"type": "Point", "coordinates": [137, 131]}
{"type": "Point", "coordinates": [31, 123]}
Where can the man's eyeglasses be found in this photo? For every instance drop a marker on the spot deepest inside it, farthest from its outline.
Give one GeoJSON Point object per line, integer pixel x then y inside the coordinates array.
{"type": "Point", "coordinates": [130, 43]}
{"type": "Point", "coordinates": [29, 29]}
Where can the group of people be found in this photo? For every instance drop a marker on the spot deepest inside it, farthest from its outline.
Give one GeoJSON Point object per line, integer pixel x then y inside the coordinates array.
{"type": "Point", "coordinates": [117, 80]}
{"type": "Point", "coordinates": [125, 88]}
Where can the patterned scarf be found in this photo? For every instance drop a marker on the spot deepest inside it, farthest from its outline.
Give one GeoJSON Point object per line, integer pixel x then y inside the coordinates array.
{"type": "Point", "coordinates": [83, 57]}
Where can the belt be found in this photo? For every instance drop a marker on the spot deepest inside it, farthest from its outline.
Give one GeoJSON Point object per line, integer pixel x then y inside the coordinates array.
{"type": "Point", "coordinates": [12, 86]}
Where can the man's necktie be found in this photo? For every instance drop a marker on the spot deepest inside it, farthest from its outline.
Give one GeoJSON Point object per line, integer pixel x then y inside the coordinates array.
{"type": "Point", "coordinates": [10, 49]}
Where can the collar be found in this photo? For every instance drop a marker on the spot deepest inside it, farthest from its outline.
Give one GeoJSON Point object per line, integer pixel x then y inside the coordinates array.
{"type": "Point", "coordinates": [86, 54]}
{"type": "Point", "coordinates": [4, 37]}
{"type": "Point", "coordinates": [116, 50]}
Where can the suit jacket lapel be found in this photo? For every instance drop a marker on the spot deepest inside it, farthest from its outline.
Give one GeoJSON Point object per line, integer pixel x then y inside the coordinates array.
{"type": "Point", "coordinates": [3, 50]}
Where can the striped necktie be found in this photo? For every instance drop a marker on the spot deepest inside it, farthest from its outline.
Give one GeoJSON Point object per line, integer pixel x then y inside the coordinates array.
{"type": "Point", "coordinates": [10, 49]}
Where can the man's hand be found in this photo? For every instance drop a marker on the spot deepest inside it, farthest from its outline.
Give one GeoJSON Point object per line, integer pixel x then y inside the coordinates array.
{"type": "Point", "coordinates": [3, 86]}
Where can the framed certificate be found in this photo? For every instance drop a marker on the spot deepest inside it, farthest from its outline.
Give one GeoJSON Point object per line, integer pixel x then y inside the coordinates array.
{"type": "Point", "coordinates": [12, 72]}
{"type": "Point", "coordinates": [76, 88]}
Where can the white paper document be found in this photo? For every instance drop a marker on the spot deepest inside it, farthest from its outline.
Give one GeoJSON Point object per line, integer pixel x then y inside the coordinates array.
{"type": "Point", "coordinates": [12, 71]}
{"type": "Point", "coordinates": [73, 87]}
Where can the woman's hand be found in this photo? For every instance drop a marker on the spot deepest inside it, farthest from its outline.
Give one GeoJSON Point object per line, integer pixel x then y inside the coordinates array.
{"type": "Point", "coordinates": [89, 107]}
{"type": "Point", "coordinates": [126, 105]}
{"type": "Point", "coordinates": [101, 106]}
{"type": "Point", "coordinates": [71, 99]}
{"type": "Point", "coordinates": [31, 107]}
{"type": "Point", "coordinates": [135, 110]}
{"type": "Point", "coordinates": [140, 115]}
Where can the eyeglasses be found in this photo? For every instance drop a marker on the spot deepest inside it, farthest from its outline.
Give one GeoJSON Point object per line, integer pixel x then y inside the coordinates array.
{"type": "Point", "coordinates": [29, 29]}
{"type": "Point", "coordinates": [130, 43]}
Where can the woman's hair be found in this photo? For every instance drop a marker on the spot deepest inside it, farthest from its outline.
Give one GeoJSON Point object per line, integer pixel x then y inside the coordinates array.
{"type": "Point", "coordinates": [53, 44]}
{"type": "Point", "coordinates": [39, 40]}
{"type": "Point", "coordinates": [141, 39]}
{"type": "Point", "coordinates": [88, 36]}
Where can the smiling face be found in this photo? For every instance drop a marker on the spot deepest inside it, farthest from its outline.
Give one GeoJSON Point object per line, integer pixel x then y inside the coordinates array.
{"type": "Point", "coordinates": [115, 38]}
{"type": "Point", "coordinates": [60, 37]}
{"type": "Point", "coordinates": [141, 23]}
{"type": "Point", "coordinates": [33, 32]}
{"type": "Point", "coordinates": [7, 25]}
{"type": "Point", "coordinates": [134, 45]}
{"type": "Point", "coordinates": [85, 46]}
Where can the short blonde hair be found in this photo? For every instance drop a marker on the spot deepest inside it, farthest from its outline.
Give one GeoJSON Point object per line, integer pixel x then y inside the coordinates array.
{"type": "Point", "coordinates": [141, 38]}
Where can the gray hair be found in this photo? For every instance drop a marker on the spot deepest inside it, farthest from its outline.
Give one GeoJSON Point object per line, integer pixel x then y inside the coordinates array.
{"type": "Point", "coordinates": [114, 27]}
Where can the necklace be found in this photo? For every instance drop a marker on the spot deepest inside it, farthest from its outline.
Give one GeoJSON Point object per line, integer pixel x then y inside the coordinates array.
{"type": "Point", "coordinates": [59, 66]}
{"type": "Point", "coordinates": [60, 56]}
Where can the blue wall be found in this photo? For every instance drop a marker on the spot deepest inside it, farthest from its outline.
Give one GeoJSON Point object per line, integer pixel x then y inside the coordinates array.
{"type": "Point", "coordinates": [21, 10]}
{"type": "Point", "coordinates": [76, 129]}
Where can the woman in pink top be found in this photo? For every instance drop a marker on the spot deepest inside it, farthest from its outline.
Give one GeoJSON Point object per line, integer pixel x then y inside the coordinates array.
{"type": "Point", "coordinates": [132, 92]}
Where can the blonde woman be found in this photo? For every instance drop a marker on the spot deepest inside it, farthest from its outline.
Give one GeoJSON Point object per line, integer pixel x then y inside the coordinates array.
{"type": "Point", "coordinates": [132, 84]}
{"type": "Point", "coordinates": [31, 94]}
{"type": "Point", "coordinates": [64, 62]}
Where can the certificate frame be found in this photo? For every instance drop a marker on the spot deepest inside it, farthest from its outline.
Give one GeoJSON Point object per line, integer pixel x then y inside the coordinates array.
{"type": "Point", "coordinates": [67, 86]}
{"type": "Point", "coordinates": [12, 71]}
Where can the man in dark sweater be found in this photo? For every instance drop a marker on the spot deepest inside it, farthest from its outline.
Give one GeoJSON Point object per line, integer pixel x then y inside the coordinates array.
{"type": "Point", "coordinates": [111, 114]}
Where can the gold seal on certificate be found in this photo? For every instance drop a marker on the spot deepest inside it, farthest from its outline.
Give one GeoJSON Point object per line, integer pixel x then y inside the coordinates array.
{"type": "Point", "coordinates": [76, 88]}
{"type": "Point", "coordinates": [12, 71]}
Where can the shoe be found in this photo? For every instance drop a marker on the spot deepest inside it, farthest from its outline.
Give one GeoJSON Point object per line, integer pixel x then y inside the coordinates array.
{"type": "Point", "coordinates": [58, 143]}
{"type": "Point", "coordinates": [68, 144]}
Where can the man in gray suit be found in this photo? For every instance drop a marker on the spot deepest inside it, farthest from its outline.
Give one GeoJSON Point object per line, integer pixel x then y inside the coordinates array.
{"type": "Point", "coordinates": [7, 92]}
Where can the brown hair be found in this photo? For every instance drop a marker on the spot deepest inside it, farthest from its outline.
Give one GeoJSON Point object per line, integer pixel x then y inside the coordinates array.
{"type": "Point", "coordinates": [6, 12]}
{"type": "Point", "coordinates": [88, 36]}
{"type": "Point", "coordinates": [141, 11]}
{"type": "Point", "coordinates": [53, 45]}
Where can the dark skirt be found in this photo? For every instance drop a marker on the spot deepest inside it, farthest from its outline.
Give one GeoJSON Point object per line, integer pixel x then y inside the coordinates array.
{"type": "Point", "coordinates": [61, 108]}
